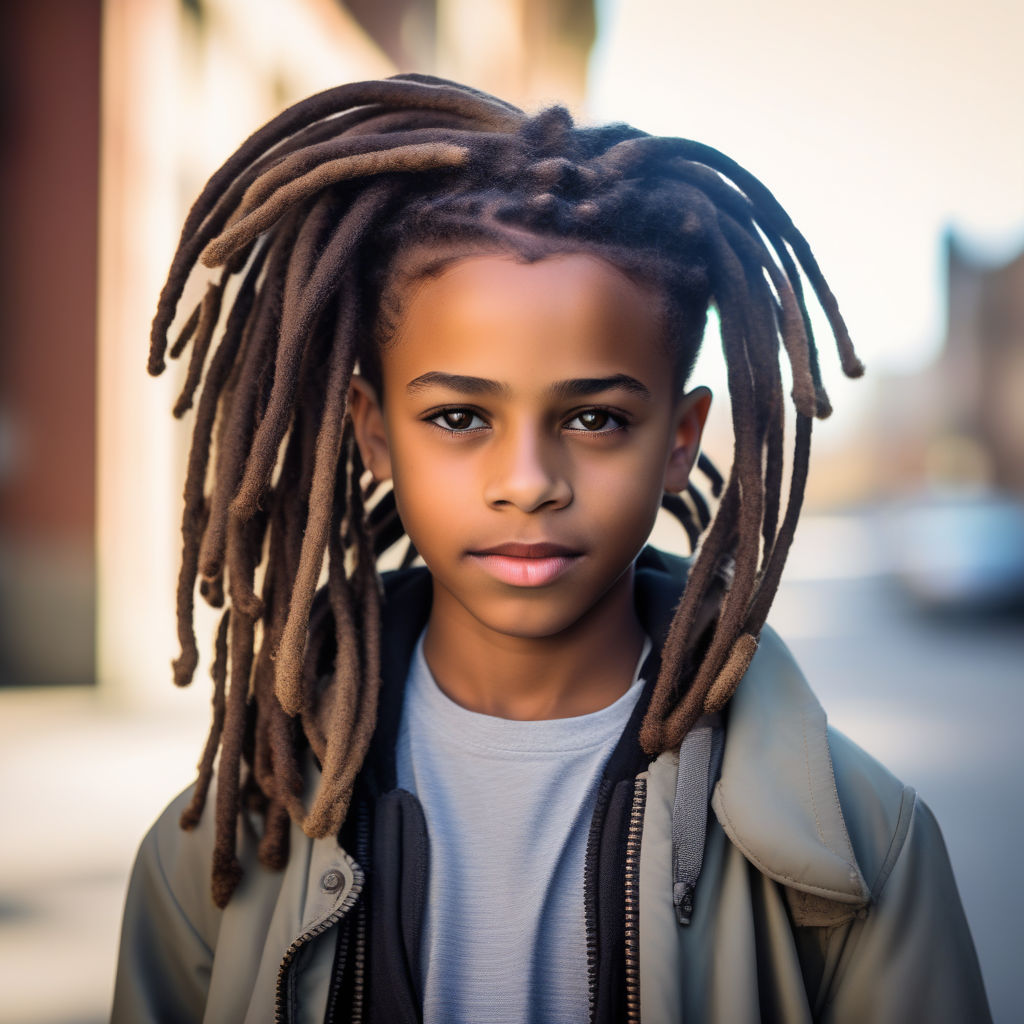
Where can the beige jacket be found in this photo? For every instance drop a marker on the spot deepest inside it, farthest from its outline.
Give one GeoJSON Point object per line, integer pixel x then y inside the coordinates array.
{"type": "Point", "coordinates": [826, 895]}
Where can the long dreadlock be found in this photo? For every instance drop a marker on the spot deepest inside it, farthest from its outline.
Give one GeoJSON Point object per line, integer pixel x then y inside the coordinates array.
{"type": "Point", "coordinates": [313, 220]}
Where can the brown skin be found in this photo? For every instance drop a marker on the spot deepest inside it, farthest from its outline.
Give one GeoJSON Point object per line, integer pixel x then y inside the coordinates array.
{"type": "Point", "coordinates": [511, 453]}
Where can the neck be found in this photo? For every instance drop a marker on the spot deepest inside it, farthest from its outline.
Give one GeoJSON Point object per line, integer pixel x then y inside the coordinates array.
{"type": "Point", "coordinates": [577, 671]}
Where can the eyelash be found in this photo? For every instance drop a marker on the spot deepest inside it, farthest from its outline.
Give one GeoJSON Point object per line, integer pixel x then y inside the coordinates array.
{"type": "Point", "coordinates": [453, 410]}
{"type": "Point", "coordinates": [613, 420]}
{"type": "Point", "coordinates": [618, 420]}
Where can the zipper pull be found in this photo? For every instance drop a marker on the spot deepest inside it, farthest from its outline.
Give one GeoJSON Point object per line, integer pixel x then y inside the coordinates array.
{"type": "Point", "coordinates": [682, 897]}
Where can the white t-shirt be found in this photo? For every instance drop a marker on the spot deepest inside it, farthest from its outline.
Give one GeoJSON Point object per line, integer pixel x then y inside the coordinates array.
{"type": "Point", "coordinates": [508, 806]}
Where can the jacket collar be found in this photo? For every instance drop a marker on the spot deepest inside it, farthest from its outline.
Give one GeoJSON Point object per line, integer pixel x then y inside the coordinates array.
{"type": "Point", "coordinates": [776, 798]}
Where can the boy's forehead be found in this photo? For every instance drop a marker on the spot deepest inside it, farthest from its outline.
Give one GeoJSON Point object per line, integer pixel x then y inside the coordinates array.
{"type": "Point", "coordinates": [484, 284]}
{"type": "Point", "coordinates": [418, 264]}
{"type": "Point", "coordinates": [569, 312]}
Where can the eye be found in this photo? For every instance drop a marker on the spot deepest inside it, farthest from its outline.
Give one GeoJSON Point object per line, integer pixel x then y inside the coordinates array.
{"type": "Point", "coordinates": [456, 420]}
{"type": "Point", "coordinates": [595, 421]}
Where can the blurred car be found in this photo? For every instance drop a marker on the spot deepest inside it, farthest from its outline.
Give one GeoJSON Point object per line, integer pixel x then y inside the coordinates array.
{"type": "Point", "coordinates": [958, 551]}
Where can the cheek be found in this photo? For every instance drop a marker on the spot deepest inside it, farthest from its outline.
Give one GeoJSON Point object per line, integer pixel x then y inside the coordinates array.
{"type": "Point", "coordinates": [623, 503]}
{"type": "Point", "coordinates": [635, 475]}
{"type": "Point", "coordinates": [434, 497]}
{"type": "Point", "coordinates": [425, 470]}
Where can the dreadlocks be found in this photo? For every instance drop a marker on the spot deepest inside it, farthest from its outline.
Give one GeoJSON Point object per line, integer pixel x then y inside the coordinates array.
{"type": "Point", "coordinates": [316, 221]}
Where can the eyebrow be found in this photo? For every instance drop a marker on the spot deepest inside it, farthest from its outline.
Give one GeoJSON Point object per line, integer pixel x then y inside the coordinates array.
{"type": "Point", "coordinates": [578, 387]}
{"type": "Point", "coordinates": [581, 387]}
{"type": "Point", "coordinates": [456, 382]}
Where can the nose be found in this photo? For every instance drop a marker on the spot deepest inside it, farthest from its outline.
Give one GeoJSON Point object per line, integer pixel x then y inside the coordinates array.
{"type": "Point", "coordinates": [527, 472]}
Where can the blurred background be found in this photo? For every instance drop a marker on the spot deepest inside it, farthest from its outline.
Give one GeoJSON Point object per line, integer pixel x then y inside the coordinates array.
{"type": "Point", "coordinates": [890, 131]}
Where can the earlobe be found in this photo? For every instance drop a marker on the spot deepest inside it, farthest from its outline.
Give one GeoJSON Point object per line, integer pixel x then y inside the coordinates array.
{"type": "Point", "coordinates": [369, 427]}
{"type": "Point", "coordinates": [690, 417]}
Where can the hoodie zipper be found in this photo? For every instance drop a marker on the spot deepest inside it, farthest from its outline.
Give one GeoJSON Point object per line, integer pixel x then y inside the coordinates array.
{"type": "Point", "coordinates": [632, 901]}
{"type": "Point", "coordinates": [590, 893]}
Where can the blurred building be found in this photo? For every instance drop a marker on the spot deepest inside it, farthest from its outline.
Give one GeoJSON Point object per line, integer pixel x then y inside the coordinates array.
{"type": "Point", "coordinates": [114, 113]}
{"type": "Point", "coordinates": [982, 366]}
{"type": "Point", "coordinates": [958, 426]}
{"type": "Point", "coordinates": [49, 180]}
{"type": "Point", "coordinates": [530, 52]}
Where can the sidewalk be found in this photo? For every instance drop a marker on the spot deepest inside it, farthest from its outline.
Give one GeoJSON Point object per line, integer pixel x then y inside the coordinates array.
{"type": "Point", "coordinates": [81, 783]}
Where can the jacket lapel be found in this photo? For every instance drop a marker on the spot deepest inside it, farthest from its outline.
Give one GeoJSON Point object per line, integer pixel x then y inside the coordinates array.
{"type": "Point", "coordinates": [776, 799]}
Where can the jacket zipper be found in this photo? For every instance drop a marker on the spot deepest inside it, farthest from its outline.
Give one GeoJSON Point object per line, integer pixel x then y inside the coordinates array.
{"type": "Point", "coordinates": [632, 901]}
{"type": "Point", "coordinates": [359, 944]}
{"type": "Point", "coordinates": [337, 972]}
{"type": "Point", "coordinates": [359, 961]}
{"type": "Point", "coordinates": [282, 1012]}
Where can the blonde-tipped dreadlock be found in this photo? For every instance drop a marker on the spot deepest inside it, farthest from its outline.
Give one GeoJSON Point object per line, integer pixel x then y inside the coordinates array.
{"type": "Point", "coordinates": [310, 220]}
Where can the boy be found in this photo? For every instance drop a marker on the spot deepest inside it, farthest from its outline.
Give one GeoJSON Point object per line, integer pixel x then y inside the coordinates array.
{"type": "Point", "coordinates": [485, 797]}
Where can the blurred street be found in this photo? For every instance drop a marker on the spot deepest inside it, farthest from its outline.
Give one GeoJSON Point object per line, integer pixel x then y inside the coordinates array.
{"type": "Point", "coordinates": [939, 701]}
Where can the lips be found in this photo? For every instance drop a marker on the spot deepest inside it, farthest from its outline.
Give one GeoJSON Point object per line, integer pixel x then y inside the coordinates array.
{"type": "Point", "coordinates": [539, 550]}
{"type": "Point", "coordinates": [526, 565]}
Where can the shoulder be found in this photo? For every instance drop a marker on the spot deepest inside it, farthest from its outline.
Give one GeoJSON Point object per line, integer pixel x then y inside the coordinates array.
{"type": "Point", "coordinates": [859, 857]}
{"type": "Point", "coordinates": [177, 863]}
{"type": "Point", "coordinates": [878, 809]}
{"type": "Point", "coordinates": [914, 919]}
{"type": "Point", "coordinates": [170, 925]}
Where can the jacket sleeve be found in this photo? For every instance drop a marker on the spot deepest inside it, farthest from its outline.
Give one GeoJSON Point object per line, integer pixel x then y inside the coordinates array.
{"type": "Point", "coordinates": [911, 956]}
{"type": "Point", "coordinates": [170, 925]}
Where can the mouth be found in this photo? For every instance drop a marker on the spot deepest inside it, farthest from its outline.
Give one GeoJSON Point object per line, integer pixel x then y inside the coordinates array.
{"type": "Point", "coordinates": [526, 565]}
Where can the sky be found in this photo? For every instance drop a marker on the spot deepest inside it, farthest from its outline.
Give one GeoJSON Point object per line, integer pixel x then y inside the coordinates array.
{"type": "Point", "coordinates": [878, 125]}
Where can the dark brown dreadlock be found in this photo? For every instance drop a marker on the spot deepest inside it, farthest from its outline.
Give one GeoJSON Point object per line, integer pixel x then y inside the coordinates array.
{"type": "Point", "coordinates": [311, 220]}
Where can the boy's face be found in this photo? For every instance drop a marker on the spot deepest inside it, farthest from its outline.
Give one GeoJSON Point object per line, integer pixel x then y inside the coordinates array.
{"type": "Point", "coordinates": [530, 426]}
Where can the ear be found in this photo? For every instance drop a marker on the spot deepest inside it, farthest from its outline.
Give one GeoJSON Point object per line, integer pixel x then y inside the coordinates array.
{"type": "Point", "coordinates": [370, 429]}
{"type": "Point", "coordinates": [690, 415]}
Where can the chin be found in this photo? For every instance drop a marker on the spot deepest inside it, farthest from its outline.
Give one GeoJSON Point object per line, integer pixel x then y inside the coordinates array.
{"type": "Point", "coordinates": [535, 615]}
